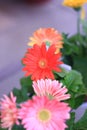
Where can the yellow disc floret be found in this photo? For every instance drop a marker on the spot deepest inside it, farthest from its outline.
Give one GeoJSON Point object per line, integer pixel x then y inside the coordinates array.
{"type": "Point", "coordinates": [44, 115]}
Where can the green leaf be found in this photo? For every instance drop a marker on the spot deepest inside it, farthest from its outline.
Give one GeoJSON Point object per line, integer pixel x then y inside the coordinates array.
{"type": "Point", "coordinates": [73, 80]}
{"type": "Point", "coordinates": [61, 74]}
{"type": "Point", "coordinates": [70, 122]}
{"type": "Point", "coordinates": [71, 101]}
{"type": "Point", "coordinates": [26, 90]}
{"type": "Point", "coordinates": [2, 129]}
{"type": "Point", "coordinates": [75, 44]}
{"type": "Point", "coordinates": [18, 94]}
{"type": "Point", "coordinates": [18, 127]}
{"type": "Point", "coordinates": [80, 64]}
{"type": "Point", "coordinates": [26, 84]}
{"type": "Point", "coordinates": [82, 123]}
{"type": "Point", "coordinates": [78, 101]}
{"type": "Point", "coordinates": [69, 46]}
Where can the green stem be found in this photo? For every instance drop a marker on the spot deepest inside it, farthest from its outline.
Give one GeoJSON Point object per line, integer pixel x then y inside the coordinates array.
{"type": "Point", "coordinates": [78, 19]}
{"type": "Point", "coordinates": [78, 22]}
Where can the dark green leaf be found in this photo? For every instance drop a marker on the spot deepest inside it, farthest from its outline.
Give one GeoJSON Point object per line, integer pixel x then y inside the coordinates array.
{"type": "Point", "coordinates": [18, 94]}
{"type": "Point", "coordinates": [26, 84]}
{"type": "Point", "coordinates": [80, 64]}
{"type": "Point", "coordinates": [2, 129]}
{"type": "Point", "coordinates": [70, 122]}
{"type": "Point", "coordinates": [79, 100]}
{"type": "Point", "coordinates": [19, 127]}
{"type": "Point", "coordinates": [26, 90]}
{"type": "Point", "coordinates": [69, 46]}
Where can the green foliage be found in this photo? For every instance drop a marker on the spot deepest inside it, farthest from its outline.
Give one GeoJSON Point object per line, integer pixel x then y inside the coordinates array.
{"type": "Point", "coordinates": [73, 81]}
{"type": "Point", "coordinates": [75, 52]}
{"type": "Point", "coordinates": [70, 123]}
{"type": "Point", "coordinates": [80, 64]}
{"type": "Point", "coordinates": [69, 47]}
{"type": "Point", "coordinates": [26, 85]}
{"type": "Point", "coordinates": [15, 127]}
{"type": "Point", "coordinates": [26, 90]}
{"type": "Point", "coordinates": [2, 129]}
{"type": "Point", "coordinates": [18, 94]}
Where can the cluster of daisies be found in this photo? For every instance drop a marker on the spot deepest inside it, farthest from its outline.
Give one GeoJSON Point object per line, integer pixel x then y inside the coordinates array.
{"type": "Point", "coordinates": [47, 109]}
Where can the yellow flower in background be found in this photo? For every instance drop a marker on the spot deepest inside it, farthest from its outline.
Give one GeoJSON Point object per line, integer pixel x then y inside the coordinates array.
{"type": "Point", "coordinates": [74, 3]}
{"type": "Point", "coordinates": [48, 36]}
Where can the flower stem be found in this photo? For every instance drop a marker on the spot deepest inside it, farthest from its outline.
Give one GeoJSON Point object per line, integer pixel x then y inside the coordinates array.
{"type": "Point", "coordinates": [78, 22]}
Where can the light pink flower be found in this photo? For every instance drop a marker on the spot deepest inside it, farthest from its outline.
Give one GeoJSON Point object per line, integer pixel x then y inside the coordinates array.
{"type": "Point", "coordinates": [40, 113]}
{"type": "Point", "coordinates": [9, 111]}
{"type": "Point", "coordinates": [51, 88]}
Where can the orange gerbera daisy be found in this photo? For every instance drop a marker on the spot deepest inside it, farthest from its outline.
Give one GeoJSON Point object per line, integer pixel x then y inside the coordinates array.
{"type": "Point", "coordinates": [47, 35]}
{"type": "Point", "coordinates": [40, 62]}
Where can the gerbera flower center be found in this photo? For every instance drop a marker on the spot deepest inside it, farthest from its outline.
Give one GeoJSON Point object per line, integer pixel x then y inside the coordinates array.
{"type": "Point", "coordinates": [43, 63]}
{"type": "Point", "coordinates": [44, 115]}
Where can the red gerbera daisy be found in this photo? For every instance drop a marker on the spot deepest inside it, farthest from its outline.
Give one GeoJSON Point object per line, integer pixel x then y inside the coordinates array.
{"type": "Point", "coordinates": [40, 62]}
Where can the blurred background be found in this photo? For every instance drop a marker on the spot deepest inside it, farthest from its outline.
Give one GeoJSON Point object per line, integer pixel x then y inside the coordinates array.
{"type": "Point", "coordinates": [18, 20]}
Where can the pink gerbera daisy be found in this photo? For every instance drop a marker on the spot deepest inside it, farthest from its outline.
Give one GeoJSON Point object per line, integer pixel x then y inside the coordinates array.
{"type": "Point", "coordinates": [40, 62]}
{"type": "Point", "coordinates": [44, 114]}
{"type": "Point", "coordinates": [9, 112]}
{"type": "Point", "coordinates": [52, 89]}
